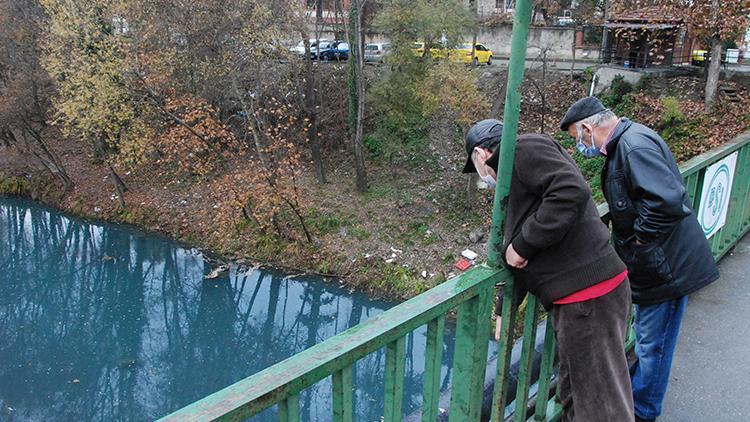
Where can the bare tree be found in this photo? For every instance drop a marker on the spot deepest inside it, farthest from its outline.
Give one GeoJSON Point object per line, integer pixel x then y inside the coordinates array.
{"type": "Point", "coordinates": [357, 88]}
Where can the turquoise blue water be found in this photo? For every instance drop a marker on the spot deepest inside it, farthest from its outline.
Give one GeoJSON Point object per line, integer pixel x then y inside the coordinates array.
{"type": "Point", "coordinates": [101, 322]}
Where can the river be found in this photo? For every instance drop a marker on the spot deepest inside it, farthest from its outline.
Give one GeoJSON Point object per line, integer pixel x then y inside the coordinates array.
{"type": "Point", "coordinates": [104, 322]}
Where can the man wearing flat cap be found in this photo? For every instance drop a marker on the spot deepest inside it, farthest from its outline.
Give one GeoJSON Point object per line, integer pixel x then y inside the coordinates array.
{"type": "Point", "coordinates": [655, 233]}
{"type": "Point", "coordinates": [558, 249]}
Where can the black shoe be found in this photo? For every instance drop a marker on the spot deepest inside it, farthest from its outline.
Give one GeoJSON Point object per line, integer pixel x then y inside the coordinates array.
{"type": "Point", "coordinates": [640, 419]}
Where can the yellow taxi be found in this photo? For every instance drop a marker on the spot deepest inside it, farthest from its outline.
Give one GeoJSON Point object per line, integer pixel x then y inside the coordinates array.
{"type": "Point", "coordinates": [698, 58]}
{"type": "Point", "coordinates": [437, 50]}
{"type": "Point", "coordinates": [462, 54]}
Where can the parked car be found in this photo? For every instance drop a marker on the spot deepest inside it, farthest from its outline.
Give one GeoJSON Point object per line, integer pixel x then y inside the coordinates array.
{"type": "Point", "coordinates": [699, 57]}
{"type": "Point", "coordinates": [300, 48]}
{"type": "Point", "coordinates": [320, 48]}
{"type": "Point", "coordinates": [462, 54]}
{"type": "Point", "coordinates": [339, 51]}
{"type": "Point", "coordinates": [437, 50]}
{"type": "Point", "coordinates": [376, 52]}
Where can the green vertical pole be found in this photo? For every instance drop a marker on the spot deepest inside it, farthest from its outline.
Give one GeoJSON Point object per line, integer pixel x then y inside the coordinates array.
{"type": "Point", "coordinates": [521, 21]}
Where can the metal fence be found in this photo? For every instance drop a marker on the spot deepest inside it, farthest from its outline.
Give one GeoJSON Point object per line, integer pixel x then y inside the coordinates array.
{"type": "Point", "coordinates": [470, 294]}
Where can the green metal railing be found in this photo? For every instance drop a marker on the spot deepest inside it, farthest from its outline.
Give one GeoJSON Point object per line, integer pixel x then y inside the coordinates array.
{"type": "Point", "coordinates": [471, 295]}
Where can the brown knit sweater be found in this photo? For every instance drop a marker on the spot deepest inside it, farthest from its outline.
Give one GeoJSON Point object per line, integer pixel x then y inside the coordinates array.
{"type": "Point", "coordinates": [553, 222]}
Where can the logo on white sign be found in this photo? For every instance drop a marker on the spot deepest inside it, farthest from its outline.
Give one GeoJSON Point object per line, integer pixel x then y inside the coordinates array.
{"type": "Point", "coordinates": [717, 186]}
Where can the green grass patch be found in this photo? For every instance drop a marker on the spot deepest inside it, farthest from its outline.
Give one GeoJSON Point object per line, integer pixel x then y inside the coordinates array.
{"type": "Point", "coordinates": [15, 186]}
{"type": "Point", "coordinates": [326, 223]}
{"type": "Point", "coordinates": [380, 192]}
{"type": "Point", "coordinates": [359, 233]}
{"type": "Point", "coordinates": [402, 280]}
{"type": "Point", "coordinates": [417, 232]}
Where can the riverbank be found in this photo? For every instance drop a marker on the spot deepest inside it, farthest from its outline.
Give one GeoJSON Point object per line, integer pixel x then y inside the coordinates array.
{"type": "Point", "coordinates": [401, 238]}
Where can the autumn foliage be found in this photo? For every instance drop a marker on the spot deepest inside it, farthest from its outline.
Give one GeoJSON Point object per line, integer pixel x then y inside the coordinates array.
{"type": "Point", "coordinates": [195, 141]}
{"type": "Point", "coordinates": [264, 193]}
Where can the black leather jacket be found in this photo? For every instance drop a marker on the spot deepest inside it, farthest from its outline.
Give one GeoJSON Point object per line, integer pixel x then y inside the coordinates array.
{"type": "Point", "coordinates": [655, 231]}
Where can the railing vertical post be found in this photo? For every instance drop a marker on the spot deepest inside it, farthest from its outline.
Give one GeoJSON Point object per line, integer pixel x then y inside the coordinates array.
{"type": "Point", "coordinates": [470, 357]}
{"type": "Point", "coordinates": [527, 357]}
{"type": "Point", "coordinates": [738, 198]}
{"type": "Point", "coordinates": [545, 372]}
{"type": "Point", "coordinates": [343, 403]}
{"type": "Point", "coordinates": [395, 358]}
{"type": "Point", "coordinates": [289, 409]}
{"type": "Point", "coordinates": [508, 317]}
{"type": "Point", "coordinates": [735, 203]}
{"type": "Point", "coordinates": [745, 215]}
{"type": "Point", "coordinates": [432, 367]}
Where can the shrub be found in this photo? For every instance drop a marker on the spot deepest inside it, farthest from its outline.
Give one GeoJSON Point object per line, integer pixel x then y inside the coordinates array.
{"type": "Point", "coordinates": [672, 114]}
{"type": "Point", "coordinates": [16, 186]}
{"type": "Point", "coordinates": [614, 96]}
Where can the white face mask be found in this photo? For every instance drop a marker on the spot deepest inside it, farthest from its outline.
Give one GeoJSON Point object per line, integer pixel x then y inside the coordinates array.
{"type": "Point", "coordinates": [479, 157]}
{"type": "Point", "coordinates": [489, 180]}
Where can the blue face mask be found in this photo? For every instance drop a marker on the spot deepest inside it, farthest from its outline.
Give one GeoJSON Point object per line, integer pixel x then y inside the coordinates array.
{"type": "Point", "coordinates": [587, 151]}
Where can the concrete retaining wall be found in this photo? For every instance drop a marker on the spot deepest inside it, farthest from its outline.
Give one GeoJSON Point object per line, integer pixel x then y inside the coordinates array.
{"type": "Point", "coordinates": [558, 40]}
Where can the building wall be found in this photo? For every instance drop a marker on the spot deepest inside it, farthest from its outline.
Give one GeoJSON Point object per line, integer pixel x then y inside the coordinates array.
{"type": "Point", "coordinates": [557, 40]}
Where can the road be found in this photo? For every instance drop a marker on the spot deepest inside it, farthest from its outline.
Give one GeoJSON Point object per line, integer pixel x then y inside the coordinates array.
{"type": "Point", "coordinates": [711, 369]}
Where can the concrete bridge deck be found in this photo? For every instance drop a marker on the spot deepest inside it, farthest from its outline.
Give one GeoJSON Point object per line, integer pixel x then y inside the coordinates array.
{"type": "Point", "coordinates": [710, 378]}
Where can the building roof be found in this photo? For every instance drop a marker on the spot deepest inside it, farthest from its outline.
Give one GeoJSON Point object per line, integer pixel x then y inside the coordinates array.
{"type": "Point", "coordinates": [640, 25]}
{"type": "Point", "coordinates": [647, 15]}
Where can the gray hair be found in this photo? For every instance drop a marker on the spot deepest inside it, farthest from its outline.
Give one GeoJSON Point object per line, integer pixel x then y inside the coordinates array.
{"type": "Point", "coordinates": [596, 119]}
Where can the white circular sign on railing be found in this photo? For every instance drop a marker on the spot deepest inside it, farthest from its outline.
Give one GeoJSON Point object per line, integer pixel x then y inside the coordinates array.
{"type": "Point", "coordinates": [717, 188]}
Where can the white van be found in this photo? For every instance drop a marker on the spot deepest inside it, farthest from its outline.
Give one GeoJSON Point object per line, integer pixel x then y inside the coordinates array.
{"type": "Point", "coordinates": [376, 52]}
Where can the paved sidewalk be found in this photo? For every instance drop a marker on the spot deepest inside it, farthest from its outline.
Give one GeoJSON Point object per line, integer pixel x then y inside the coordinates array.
{"type": "Point", "coordinates": [711, 370]}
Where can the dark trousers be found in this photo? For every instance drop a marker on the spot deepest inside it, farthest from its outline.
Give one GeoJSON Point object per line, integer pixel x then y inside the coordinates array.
{"type": "Point", "coordinates": [594, 377]}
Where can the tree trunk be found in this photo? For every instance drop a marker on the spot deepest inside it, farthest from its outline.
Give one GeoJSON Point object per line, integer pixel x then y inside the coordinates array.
{"type": "Point", "coordinates": [37, 147]}
{"type": "Point", "coordinates": [119, 185]}
{"type": "Point", "coordinates": [100, 151]}
{"type": "Point", "coordinates": [251, 125]}
{"type": "Point", "coordinates": [714, 72]}
{"type": "Point", "coordinates": [56, 166]}
{"type": "Point", "coordinates": [497, 106]}
{"type": "Point", "coordinates": [311, 103]}
{"type": "Point", "coordinates": [359, 156]}
{"type": "Point", "coordinates": [474, 10]}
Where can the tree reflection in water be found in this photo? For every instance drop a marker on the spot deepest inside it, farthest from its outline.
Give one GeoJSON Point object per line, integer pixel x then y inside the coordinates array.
{"type": "Point", "coordinates": [104, 323]}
